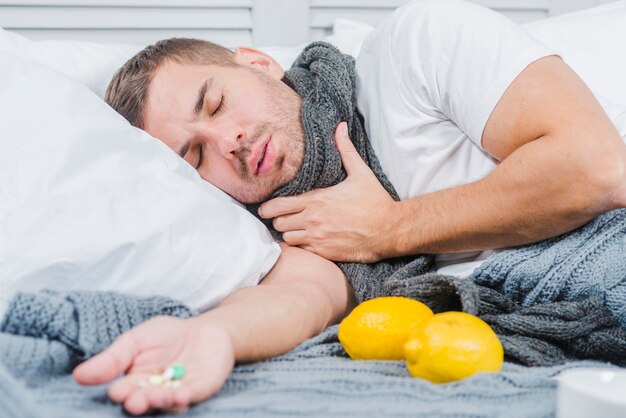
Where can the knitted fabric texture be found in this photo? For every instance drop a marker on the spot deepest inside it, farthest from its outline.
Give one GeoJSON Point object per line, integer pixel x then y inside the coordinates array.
{"type": "Point", "coordinates": [314, 380]}
{"type": "Point", "coordinates": [578, 320]}
{"type": "Point", "coordinates": [46, 333]}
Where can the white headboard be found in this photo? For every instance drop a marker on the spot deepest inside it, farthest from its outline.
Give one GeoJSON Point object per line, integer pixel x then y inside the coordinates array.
{"type": "Point", "coordinates": [229, 22]}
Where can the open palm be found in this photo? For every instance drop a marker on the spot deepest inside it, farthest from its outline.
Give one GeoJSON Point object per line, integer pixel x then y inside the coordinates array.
{"type": "Point", "coordinates": [205, 351]}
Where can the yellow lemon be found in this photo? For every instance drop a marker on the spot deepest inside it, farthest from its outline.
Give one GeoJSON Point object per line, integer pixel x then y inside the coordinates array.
{"type": "Point", "coordinates": [378, 328]}
{"type": "Point", "coordinates": [453, 346]}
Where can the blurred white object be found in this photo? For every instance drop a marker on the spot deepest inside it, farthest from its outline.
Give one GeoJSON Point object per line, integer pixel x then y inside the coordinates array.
{"type": "Point", "coordinates": [592, 42]}
{"type": "Point", "coordinates": [348, 35]}
{"type": "Point", "coordinates": [89, 202]}
{"type": "Point", "coordinates": [590, 393]}
{"type": "Point", "coordinates": [589, 40]}
{"type": "Point", "coordinates": [91, 64]}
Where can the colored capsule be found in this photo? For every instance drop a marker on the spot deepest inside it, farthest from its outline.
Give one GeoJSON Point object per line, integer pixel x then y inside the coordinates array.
{"type": "Point", "coordinates": [174, 372]}
{"type": "Point", "coordinates": [179, 371]}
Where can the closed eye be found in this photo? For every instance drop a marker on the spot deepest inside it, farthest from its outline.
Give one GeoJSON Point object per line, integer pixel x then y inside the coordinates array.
{"type": "Point", "coordinates": [200, 156]}
{"type": "Point", "coordinates": [219, 107]}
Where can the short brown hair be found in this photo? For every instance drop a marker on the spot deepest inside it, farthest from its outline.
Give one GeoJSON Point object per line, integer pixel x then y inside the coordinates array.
{"type": "Point", "coordinates": [128, 90]}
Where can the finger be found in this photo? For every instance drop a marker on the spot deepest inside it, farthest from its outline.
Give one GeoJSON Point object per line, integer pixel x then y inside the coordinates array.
{"type": "Point", "coordinates": [161, 398]}
{"type": "Point", "coordinates": [144, 365]}
{"type": "Point", "coordinates": [293, 222]}
{"type": "Point", "coordinates": [122, 388]}
{"type": "Point", "coordinates": [183, 397]}
{"type": "Point", "coordinates": [307, 247]}
{"type": "Point", "coordinates": [352, 161]}
{"type": "Point", "coordinates": [282, 206]}
{"type": "Point", "coordinates": [295, 238]}
{"type": "Point", "coordinates": [131, 389]}
{"type": "Point", "coordinates": [110, 363]}
{"type": "Point", "coordinates": [199, 389]}
{"type": "Point", "coordinates": [141, 400]}
{"type": "Point", "coordinates": [137, 402]}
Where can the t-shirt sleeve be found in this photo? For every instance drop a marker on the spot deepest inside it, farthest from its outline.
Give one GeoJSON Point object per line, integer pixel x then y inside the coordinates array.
{"type": "Point", "coordinates": [458, 59]}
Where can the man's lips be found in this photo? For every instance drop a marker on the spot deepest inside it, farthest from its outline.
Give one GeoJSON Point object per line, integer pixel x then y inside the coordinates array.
{"type": "Point", "coordinates": [268, 159]}
{"type": "Point", "coordinates": [263, 158]}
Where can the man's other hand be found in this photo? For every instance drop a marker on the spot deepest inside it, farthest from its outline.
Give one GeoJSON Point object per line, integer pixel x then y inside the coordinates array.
{"type": "Point", "coordinates": [345, 222]}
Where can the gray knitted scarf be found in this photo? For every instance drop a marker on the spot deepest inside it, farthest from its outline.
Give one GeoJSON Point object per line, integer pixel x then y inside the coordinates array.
{"type": "Point", "coordinates": [532, 334]}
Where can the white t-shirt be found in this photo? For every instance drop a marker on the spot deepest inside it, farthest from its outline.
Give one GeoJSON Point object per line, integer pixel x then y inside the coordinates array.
{"type": "Point", "coordinates": [429, 77]}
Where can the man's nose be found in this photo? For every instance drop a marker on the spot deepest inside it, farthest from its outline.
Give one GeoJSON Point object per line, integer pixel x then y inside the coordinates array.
{"type": "Point", "coordinates": [227, 139]}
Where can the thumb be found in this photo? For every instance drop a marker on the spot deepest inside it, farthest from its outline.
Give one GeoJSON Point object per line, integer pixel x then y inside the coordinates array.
{"type": "Point", "coordinates": [352, 161]}
{"type": "Point", "coordinates": [107, 365]}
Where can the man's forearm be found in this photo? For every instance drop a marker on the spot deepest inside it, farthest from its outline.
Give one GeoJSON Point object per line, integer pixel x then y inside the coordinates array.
{"type": "Point", "coordinates": [534, 194]}
{"type": "Point", "coordinates": [263, 321]}
{"type": "Point", "coordinates": [300, 297]}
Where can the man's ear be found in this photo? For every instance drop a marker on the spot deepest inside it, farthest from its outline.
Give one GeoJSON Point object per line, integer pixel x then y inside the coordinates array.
{"type": "Point", "coordinates": [259, 60]}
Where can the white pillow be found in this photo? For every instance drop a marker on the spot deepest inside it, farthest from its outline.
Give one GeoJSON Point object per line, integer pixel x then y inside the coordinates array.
{"type": "Point", "coordinates": [592, 43]}
{"type": "Point", "coordinates": [348, 35]}
{"type": "Point", "coordinates": [88, 201]}
{"type": "Point", "coordinates": [92, 64]}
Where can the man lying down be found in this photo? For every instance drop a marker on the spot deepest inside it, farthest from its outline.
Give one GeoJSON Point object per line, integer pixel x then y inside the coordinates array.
{"type": "Point", "coordinates": [467, 146]}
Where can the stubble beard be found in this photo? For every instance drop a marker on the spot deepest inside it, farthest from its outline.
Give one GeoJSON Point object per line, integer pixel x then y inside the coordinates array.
{"type": "Point", "coordinates": [286, 120]}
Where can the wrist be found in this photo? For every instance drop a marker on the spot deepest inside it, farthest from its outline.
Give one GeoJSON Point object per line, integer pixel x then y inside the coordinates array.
{"type": "Point", "coordinates": [216, 332]}
{"type": "Point", "coordinates": [389, 239]}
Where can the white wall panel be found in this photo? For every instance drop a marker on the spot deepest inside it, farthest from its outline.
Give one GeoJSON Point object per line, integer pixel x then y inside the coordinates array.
{"type": "Point", "coordinates": [324, 12]}
{"type": "Point", "coordinates": [230, 22]}
{"type": "Point", "coordinates": [280, 22]}
{"type": "Point", "coordinates": [130, 3]}
{"type": "Point", "coordinates": [373, 11]}
{"type": "Point", "coordinates": [324, 17]}
{"type": "Point", "coordinates": [126, 17]}
{"type": "Point", "coordinates": [140, 37]}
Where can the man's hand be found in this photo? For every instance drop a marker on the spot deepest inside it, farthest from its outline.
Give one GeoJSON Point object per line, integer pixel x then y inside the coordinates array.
{"type": "Point", "coordinates": [205, 351]}
{"type": "Point", "coordinates": [301, 296]}
{"type": "Point", "coordinates": [345, 222]}
{"type": "Point", "coordinates": [562, 164]}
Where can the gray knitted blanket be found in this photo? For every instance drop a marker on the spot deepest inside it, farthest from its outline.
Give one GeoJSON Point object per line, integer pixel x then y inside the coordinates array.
{"type": "Point", "coordinates": [44, 335]}
{"type": "Point", "coordinates": [548, 302]}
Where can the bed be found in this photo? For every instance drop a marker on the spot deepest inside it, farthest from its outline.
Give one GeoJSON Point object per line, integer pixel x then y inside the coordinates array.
{"type": "Point", "coordinates": [71, 170]}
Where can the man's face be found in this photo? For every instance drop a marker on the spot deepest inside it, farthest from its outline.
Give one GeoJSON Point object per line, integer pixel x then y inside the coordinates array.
{"type": "Point", "coordinates": [240, 127]}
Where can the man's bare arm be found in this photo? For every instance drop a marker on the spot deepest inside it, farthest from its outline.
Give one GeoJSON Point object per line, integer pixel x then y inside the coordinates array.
{"type": "Point", "coordinates": [301, 296]}
{"type": "Point", "coordinates": [563, 163]}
